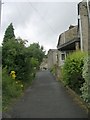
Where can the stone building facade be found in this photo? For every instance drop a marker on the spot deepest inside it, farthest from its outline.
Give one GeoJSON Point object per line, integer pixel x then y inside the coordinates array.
{"type": "Point", "coordinates": [76, 37]}
{"type": "Point", "coordinates": [68, 42]}
{"type": "Point", "coordinates": [52, 58]}
{"type": "Point", "coordinates": [83, 25]}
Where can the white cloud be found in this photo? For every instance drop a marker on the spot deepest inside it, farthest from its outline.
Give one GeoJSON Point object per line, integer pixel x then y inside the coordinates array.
{"type": "Point", "coordinates": [42, 0]}
{"type": "Point", "coordinates": [39, 22]}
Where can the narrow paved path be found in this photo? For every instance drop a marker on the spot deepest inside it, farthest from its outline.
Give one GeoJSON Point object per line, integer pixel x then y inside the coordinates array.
{"type": "Point", "coordinates": [46, 98]}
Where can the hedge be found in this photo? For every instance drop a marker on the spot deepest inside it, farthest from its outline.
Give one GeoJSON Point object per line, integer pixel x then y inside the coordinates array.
{"type": "Point", "coordinates": [72, 71]}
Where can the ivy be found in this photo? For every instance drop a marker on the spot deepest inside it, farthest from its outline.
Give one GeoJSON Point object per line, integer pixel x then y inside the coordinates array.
{"type": "Point", "coordinates": [85, 88]}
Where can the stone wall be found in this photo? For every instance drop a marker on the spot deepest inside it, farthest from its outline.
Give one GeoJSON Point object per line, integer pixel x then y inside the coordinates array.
{"type": "Point", "coordinates": [52, 58]}
{"type": "Point", "coordinates": [83, 20]}
{"type": "Point", "coordinates": [44, 64]}
{"type": "Point", "coordinates": [60, 61]}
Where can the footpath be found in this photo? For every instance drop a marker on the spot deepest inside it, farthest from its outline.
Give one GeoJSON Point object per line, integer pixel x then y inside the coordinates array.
{"type": "Point", "coordinates": [46, 98]}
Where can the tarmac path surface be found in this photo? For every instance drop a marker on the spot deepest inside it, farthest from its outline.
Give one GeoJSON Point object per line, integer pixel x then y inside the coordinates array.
{"type": "Point", "coordinates": [46, 98]}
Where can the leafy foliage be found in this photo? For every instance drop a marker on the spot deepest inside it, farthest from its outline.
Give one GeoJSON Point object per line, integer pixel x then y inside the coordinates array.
{"type": "Point", "coordinates": [0, 55]}
{"type": "Point", "coordinates": [21, 59]}
{"type": "Point", "coordinates": [36, 52]}
{"type": "Point", "coordinates": [72, 70]}
{"type": "Point", "coordinates": [53, 70]}
{"type": "Point", "coordinates": [85, 88]}
{"type": "Point", "coordinates": [9, 33]}
{"type": "Point", "coordinates": [9, 88]}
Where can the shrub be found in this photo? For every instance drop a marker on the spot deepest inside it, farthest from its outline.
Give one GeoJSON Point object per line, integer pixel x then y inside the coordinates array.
{"type": "Point", "coordinates": [53, 70]}
{"type": "Point", "coordinates": [0, 79]}
{"type": "Point", "coordinates": [72, 70]}
{"type": "Point", "coordinates": [0, 56]}
{"type": "Point", "coordinates": [85, 88]}
{"type": "Point", "coordinates": [10, 88]}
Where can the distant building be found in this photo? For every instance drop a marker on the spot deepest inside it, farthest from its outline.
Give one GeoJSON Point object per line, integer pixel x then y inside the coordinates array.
{"type": "Point", "coordinates": [44, 64]}
{"type": "Point", "coordinates": [52, 58]}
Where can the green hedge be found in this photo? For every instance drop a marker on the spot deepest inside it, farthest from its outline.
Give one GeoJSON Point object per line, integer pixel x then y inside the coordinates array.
{"type": "Point", "coordinates": [0, 90]}
{"type": "Point", "coordinates": [72, 71]}
{"type": "Point", "coordinates": [86, 75]}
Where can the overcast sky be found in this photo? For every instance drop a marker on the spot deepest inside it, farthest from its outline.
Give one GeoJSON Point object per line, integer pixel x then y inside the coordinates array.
{"type": "Point", "coordinates": [38, 21]}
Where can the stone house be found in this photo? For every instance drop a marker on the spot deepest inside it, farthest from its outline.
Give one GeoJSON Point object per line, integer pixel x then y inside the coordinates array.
{"type": "Point", "coordinates": [76, 37]}
{"type": "Point", "coordinates": [52, 58]}
{"type": "Point", "coordinates": [68, 42]}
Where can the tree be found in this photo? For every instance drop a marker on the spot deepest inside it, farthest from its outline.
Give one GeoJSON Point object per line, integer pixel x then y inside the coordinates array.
{"type": "Point", "coordinates": [9, 33]}
{"type": "Point", "coordinates": [36, 52]}
{"type": "Point", "coordinates": [22, 60]}
{"type": "Point", "coordinates": [19, 58]}
{"type": "Point", "coordinates": [8, 53]}
{"type": "Point", "coordinates": [7, 48]}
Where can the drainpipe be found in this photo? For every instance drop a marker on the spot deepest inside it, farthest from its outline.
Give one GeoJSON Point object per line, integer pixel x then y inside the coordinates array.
{"type": "Point", "coordinates": [80, 27]}
{"type": "Point", "coordinates": [88, 9]}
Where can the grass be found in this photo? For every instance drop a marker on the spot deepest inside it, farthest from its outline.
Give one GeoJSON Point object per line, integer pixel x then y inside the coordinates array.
{"type": "Point", "coordinates": [12, 89]}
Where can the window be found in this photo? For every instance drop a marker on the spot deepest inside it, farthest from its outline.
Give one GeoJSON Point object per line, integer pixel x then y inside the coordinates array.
{"type": "Point", "coordinates": [62, 56]}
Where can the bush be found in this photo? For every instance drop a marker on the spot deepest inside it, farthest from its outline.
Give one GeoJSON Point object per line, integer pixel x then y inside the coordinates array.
{"type": "Point", "coordinates": [0, 56]}
{"type": "Point", "coordinates": [72, 71]}
{"type": "Point", "coordinates": [10, 88]}
{"type": "Point", "coordinates": [85, 88]}
{"type": "Point", "coordinates": [0, 90]}
{"type": "Point", "coordinates": [53, 70]}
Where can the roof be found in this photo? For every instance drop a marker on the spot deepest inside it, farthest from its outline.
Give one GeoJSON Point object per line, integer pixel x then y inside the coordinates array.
{"type": "Point", "coordinates": [71, 28]}
{"type": "Point", "coordinates": [69, 45]}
